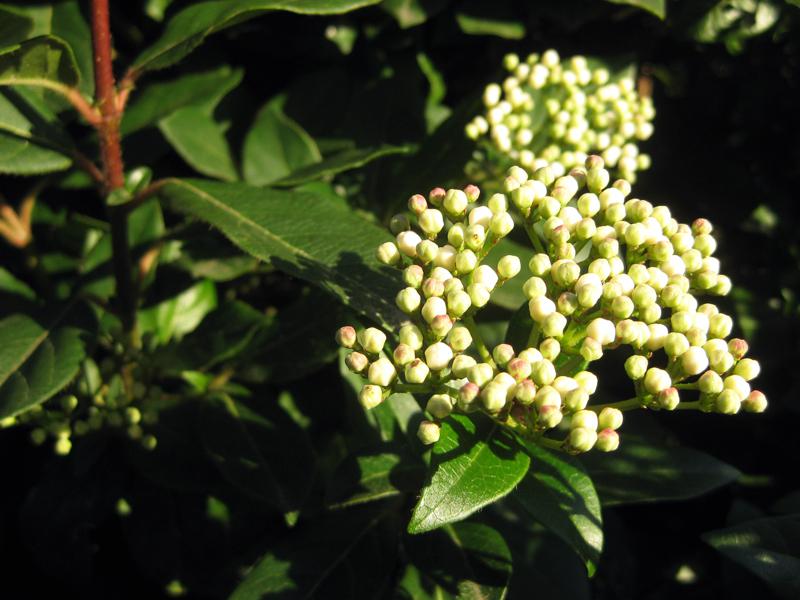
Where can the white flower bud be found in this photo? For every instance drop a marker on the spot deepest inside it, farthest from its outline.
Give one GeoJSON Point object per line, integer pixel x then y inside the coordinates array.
{"type": "Point", "coordinates": [408, 300]}
{"type": "Point", "coordinates": [501, 224]}
{"type": "Point", "coordinates": [481, 374]}
{"type": "Point", "coordinates": [486, 276]}
{"type": "Point", "coordinates": [356, 362]}
{"type": "Point", "coordinates": [534, 287]}
{"type": "Point", "coordinates": [543, 372]}
{"type": "Point", "coordinates": [413, 276]}
{"type": "Point", "coordinates": [455, 203]}
{"type": "Point", "coordinates": [403, 354]}
{"type": "Point", "coordinates": [475, 236]}
{"type": "Point", "coordinates": [439, 406]}
{"type": "Point", "coordinates": [407, 242]}
{"type": "Point", "coordinates": [441, 274]}
{"type": "Point", "coordinates": [756, 402]}
{"type": "Point", "coordinates": [432, 308]}
{"type": "Point", "coordinates": [441, 325]}
{"type": "Point", "coordinates": [694, 361]}
{"type": "Point", "coordinates": [416, 371]}
{"type": "Point", "coordinates": [591, 349]}
{"type": "Point", "coordinates": [462, 365]}
{"type": "Point", "coordinates": [446, 258]}
{"type": "Point", "coordinates": [738, 385]}
{"type": "Point", "coordinates": [458, 302]}
{"type": "Point", "coordinates": [658, 336]}
{"type": "Point", "coordinates": [610, 418]}
{"type": "Point", "coordinates": [540, 308]}
{"type": "Point", "coordinates": [478, 294]}
{"type": "Point", "coordinates": [710, 383]}
{"type": "Point", "coordinates": [346, 336]}
{"type": "Point", "coordinates": [466, 261]}
{"type": "Point", "coordinates": [411, 336]}
{"type": "Point", "coordinates": [372, 340]}
{"type": "Point", "coordinates": [656, 380]}
{"type": "Point", "coordinates": [508, 266]}
{"type": "Point", "coordinates": [388, 253]}
{"type": "Point", "coordinates": [581, 440]}
{"type": "Point", "coordinates": [438, 356]}
{"type": "Point", "coordinates": [480, 215]}
{"type": "Point", "coordinates": [428, 432]}
{"type": "Point", "coordinates": [554, 324]}
{"type": "Point", "coordinates": [459, 339]}
{"type": "Point", "coordinates": [494, 397]}
{"type": "Point", "coordinates": [382, 372]}
{"type": "Point", "coordinates": [497, 203]}
{"type": "Point", "coordinates": [602, 330]}
{"type": "Point", "coordinates": [370, 396]}
{"type": "Point", "coordinates": [636, 366]}
{"type": "Point", "coordinates": [587, 380]}
{"type": "Point", "coordinates": [431, 221]}
{"type": "Point", "coordinates": [539, 264]}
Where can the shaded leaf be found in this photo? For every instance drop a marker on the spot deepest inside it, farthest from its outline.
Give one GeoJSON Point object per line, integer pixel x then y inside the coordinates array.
{"type": "Point", "coordinates": [45, 61]}
{"type": "Point", "coordinates": [19, 156]}
{"type": "Point", "coordinates": [177, 316]}
{"type": "Point", "coordinates": [769, 548]}
{"type": "Point", "coordinates": [642, 472]}
{"type": "Point", "coordinates": [558, 493]}
{"type": "Point", "coordinates": [187, 29]}
{"type": "Point", "coordinates": [343, 161]}
{"type": "Point", "coordinates": [276, 146]}
{"type": "Point", "coordinates": [409, 13]}
{"type": "Point", "coordinates": [656, 7]}
{"type": "Point", "coordinates": [474, 463]}
{"type": "Point", "coordinates": [510, 294]}
{"type": "Point", "coordinates": [490, 25]}
{"type": "Point", "coordinates": [39, 355]}
{"type": "Point", "coordinates": [285, 228]}
{"type": "Point", "coordinates": [15, 26]}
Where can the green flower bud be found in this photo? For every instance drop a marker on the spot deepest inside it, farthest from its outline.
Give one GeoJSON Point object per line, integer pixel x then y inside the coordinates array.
{"type": "Point", "coordinates": [433, 307]}
{"type": "Point", "coordinates": [460, 339]}
{"type": "Point", "coordinates": [439, 406]}
{"type": "Point", "coordinates": [432, 287]}
{"type": "Point", "coordinates": [458, 302]}
{"type": "Point", "coordinates": [602, 330]}
{"type": "Point", "coordinates": [723, 286]}
{"type": "Point", "coordinates": [549, 207]}
{"type": "Point", "coordinates": [585, 229]}
{"type": "Point", "coordinates": [417, 204]}
{"type": "Point", "coordinates": [543, 372]}
{"type": "Point", "coordinates": [706, 280]}
{"type": "Point", "coordinates": [550, 349]}
{"type": "Point", "coordinates": [478, 294]}
{"type": "Point", "coordinates": [502, 354]}
{"type": "Point", "coordinates": [587, 381]}
{"type": "Point", "coordinates": [586, 419]}
{"type": "Point", "coordinates": [403, 354]}
{"type": "Point", "coordinates": [597, 179]}
{"type": "Point", "coordinates": [416, 371]}
{"type": "Point", "coordinates": [676, 344]}
{"type": "Point", "coordinates": [407, 242]}
{"type": "Point", "coordinates": [466, 397]}
{"type": "Point", "coordinates": [567, 303]}
{"type": "Point", "coordinates": [532, 355]}
{"type": "Point", "coordinates": [656, 380]}
{"type": "Point", "coordinates": [356, 362]}
{"type": "Point", "coordinates": [540, 308]}
{"type": "Point", "coordinates": [591, 349]}
{"type": "Point", "coordinates": [382, 372]}
{"type": "Point", "coordinates": [651, 314]}
{"type": "Point", "coordinates": [581, 440]}
{"type": "Point", "coordinates": [738, 385]}
{"type": "Point", "coordinates": [399, 223]}
{"type": "Point", "coordinates": [411, 335]}
{"type": "Point", "coordinates": [494, 397]}
{"type": "Point", "coordinates": [694, 361]}
{"type": "Point", "coordinates": [588, 205]}
{"type": "Point", "coordinates": [427, 251]}
{"type": "Point", "coordinates": [485, 276]}
{"type": "Point", "coordinates": [481, 374]}
{"type": "Point", "coordinates": [720, 361]}
{"type": "Point", "coordinates": [431, 221]}
{"type": "Point", "coordinates": [441, 325]}
{"type": "Point", "coordinates": [456, 235]}
{"type": "Point", "coordinates": [534, 287]}
{"type": "Point", "coordinates": [565, 272]}
{"type": "Point", "coordinates": [388, 254]}
{"type": "Point", "coordinates": [523, 198]}
{"type": "Point", "coordinates": [756, 402]}
{"type": "Point", "coordinates": [636, 366]}
{"type": "Point", "coordinates": [371, 340]}
{"type": "Point", "coordinates": [408, 300]}
{"type": "Point", "coordinates": [446, 258]}
{"type": "Point", "coordinates": [508, 266]}
{"type": "Point", "coordinates": [475, 237]}
{"type": "Point", "coordinates": [668, 399]}
{"type": "Point", "coordinates": [705, 244]}
{"type": "Point", "coordinates": [498, 203]}
{"type": "Point", "coordinates": [413, 276]}
{"type": "Point", "coordinates": [525, 392]}
{"type": "Point", "coordinates": [738, 348]}
{"type": "Point", "coordinates": [553, 326]}
{"type": "Point", "coordinates": [576, 400]}
{"type": "Point", "coordinates": [710, 383]}
{"type": "Point", "coordinates": [549, 417]}
{"type": "Point", "coordinates": [747, 368]}
{"type": "Point", "coordinates": [622, 307]}
{"type": "Point", "coordinates": [501, 224]}
{"type": "Point", "coordinates": [727, 402]}
{"type": "Point", "coordinates": [370, 396]}
{"type": "Point", "coordinates": [539, 264]}
{"type": "Point", "coordinates": [438, 356]}
{"type": "Point", "coordinates": [466, 261]}
{"type": "Point", "coordinates": [547, 396]}
{"type": "Point", "coordinates": [428, 432]}
{"type": "Point", "coordinates": [610, 418]}
{"type": "Point", "coordinates": [607, 440]}
{"type": "Point", "coordinates": [63, 445]}
{"type": "Point", "coordinates": [455, 203]}
{"type": "Point", "coordinates": [346, 336]}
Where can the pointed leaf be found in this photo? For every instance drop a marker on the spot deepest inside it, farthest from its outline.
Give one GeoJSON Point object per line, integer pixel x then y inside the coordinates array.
{"type": "Point", "coordinates": [19, 156]}
{"type": "Point", "coordinates": [200, 141]}
{"type": "Point", "coordinates": [187, 29]}
{"type": "Point", "coordinates": [177, 316]}
{"type": "Point", "coordinates": [474, 463]}
{"type": "Point", "coordinates": [45, 61]}
{"type": "Point", "coordinates": [344, 161]}
{"type": "Point", "coordinates": [307, 236]}
{"type": "Point", "coordinates": [40, 355]}
{"type": "Point", "coordinates": [558, 493]}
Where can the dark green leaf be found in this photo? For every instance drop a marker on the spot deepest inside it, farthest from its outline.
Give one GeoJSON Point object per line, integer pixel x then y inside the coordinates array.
{"type": "Point", "coordinates": [474, 463]}
{"type": "Point", "coordinates": [558, 493]}
{"type": "Point", "coordinates": [642, 472]}
{"type": "Point", "coordinates": [316, 240]}
{"type": "Point", "coordinates": [276, 146]}
{"type": "Point", "coordinates": [510, 294]}
{"type": "Point", "coordinates": [409, 13]}
{"type": "Point", "coordinates": [45, 61]}
{"type": "Point", "coordinates": [490, 25]}
{"type": "Point", "coordinates": [41, 355]}
{"type": "Point", "coordinates": [267, 458]}
{"type": "Point", "coordinates": [468, 561]}
{"type": "Point", "coordinates": [344, 161]}
{"type": "Point", "coordinates": [19, 156]}
{"type": "Point", "coordinates": [15, 26]}
{"type": "Point", "coordinates": [767, 547]}
{"type": "Point", "coordinates": [296, 568]}
{"type": "Point", "coordinates": [657, 7]}
{"type": "Point", "coordinates": [369, 477]}
{"type": "Point", "coordinates": [11, 285]}
{"type": "Point", "coordinates": [187, 29]}
{"type": "Point", "coordinates": [159, 100]}
{"type": "Point", "coordinates": [200, 141]}
{"type": "Point", "coordinates": [519, 328]}
{"type": "Point", "coordinates": [177, 316]}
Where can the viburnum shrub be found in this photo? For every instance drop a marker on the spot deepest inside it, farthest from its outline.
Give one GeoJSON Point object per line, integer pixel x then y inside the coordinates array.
{"type": "Point", "coordinates": [549, 112]}
{"type": "Point", "coordinates": [611, 273]}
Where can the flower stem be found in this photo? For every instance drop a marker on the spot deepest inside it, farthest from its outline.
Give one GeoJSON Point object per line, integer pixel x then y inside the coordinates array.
{"type": "Point", "coordinates": [486, 356]}
{"type": "Point", "coordinates": [628, 404]}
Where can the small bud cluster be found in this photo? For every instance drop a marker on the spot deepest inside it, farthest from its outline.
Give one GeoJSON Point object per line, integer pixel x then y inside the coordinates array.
{"type": "Point", "coordinates": [70, 416]}
{"type": "Point", "coordinates": [586, 111]}
{"type": "Point", "coordinates": [610, 271]}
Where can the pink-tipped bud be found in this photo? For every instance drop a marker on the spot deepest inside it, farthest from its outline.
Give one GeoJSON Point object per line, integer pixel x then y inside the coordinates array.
{"type": "Point", "coordinates": [356, 362]}
{"type": "Point", "coordinates": [737, 347]}
{"type": "Point", "coordinates": [467, 396]}
{"type": "Point", "coordinates": [417, 204]}
{"type": "Point", "coordinates": [403, 355]}
{"type": "Point", "coordinates": [756, 402]}
{"type": "Point", "coordinates": [519, 368]}
{"type": "Point", "coordinates": [436, 196]}
{"type": "Point", "coordinates": [473, 192]}
{"type": "Point", "coordinates": [346, 336]}
{"type": "Point", "coordinates": [701, 227]}
{"type": "Point", "coordinates": [525, 392]}
{"type": "Point", "coordinates": [441, 325]}
{"type": "Point", "coordinates": [669, 398]}
{"type": "Point", "coordinates": [607, 440]}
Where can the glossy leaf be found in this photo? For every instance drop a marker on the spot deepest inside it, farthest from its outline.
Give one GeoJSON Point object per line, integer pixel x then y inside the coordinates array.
{"type": "Point", "coordinates": [45, 61]}
{"type": "Point", "coordinates": [656, 7]}
{"type": "Point", "coordinates": [19, 156]}
{"type": "Point", "coordinates": [187, 29]}
{"type": "Point", "coordinates": [177, 316]}
{"type": "Point", "coordinates": [468, 561]}
{"type": "Point", "coordinates": [286, 229]}
{"type": "Point", "coordinates": [343, 161]}
{"type": "Point", "coordinates": [159, 100]}
{"type": "Point", "coordinates": [769, 548]}
{"type": "Point", "coordinates": [40, 355]}
{"type": "Point", "coordinates": [276, 146]}
{"type": "Point", "coordinates": [642, 472]}
{"type": "Point", "coordinates": [200, 141]}
{"type": "Point", "coordinates": [365, 478]}
{"type": "Point", "coordinates": [559, 494]}
{"type": "Point", "coordinates": [474, 463]}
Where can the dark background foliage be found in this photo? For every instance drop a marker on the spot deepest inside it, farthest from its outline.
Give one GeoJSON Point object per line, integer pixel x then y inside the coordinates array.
{"type": "Point", "coordinates": [724, 147]}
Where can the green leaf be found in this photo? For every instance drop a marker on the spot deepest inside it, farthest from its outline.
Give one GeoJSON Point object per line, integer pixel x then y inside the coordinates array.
{"type": "Point", "coordinates": [268, 458]}
{"type": "Point", "coordinates": [641, 472]}
{"type": "Point", "coordinates": [15, 25]}
{"type": "Point", "coordinates": [187, 29]}
{"type": "Point", "coordinates": [343, 161]}
{"type": "Point", "coordinates": [296, 567]}
{"type": "Point", "coordinates": [365, 478]}
{"type": "Point", "coordinates": [45, 61]}
{"type": "Point", "coordinates": [200, 141]}
{"type": "Point", "coordinates": [769, 548]}
{"type": "Point", "coordinates": [40, 355]}
{"type": "Point", "coordinates": [558, 493]}
{"type": "Point", "coordinates": [490, 25]}
{"type": "Point", "coordinates": [159, 100]}
{"type": "Point", "coordinates": [519, 328]}
{"type": "Point", "coordinates": [410, 13]}
{"type": "Point", "coordinates": [474, 463]}
{"type": "Point", "coordinates": [510, 294]}
{"type": "Point", "coordinates": [14, 287]}
{"type": "Point", "coordinates": [319, 241]}
{"type": "Point", "coordinates": [177, 316]}
{"type": "Point", "coordinates": [275, 146]}
{"type": "Point", "coordinates": [656, 7]}
{"type": "Point", "coordinates": [468, 561]}
{"type": "Point", "coordinates": [19, 156]}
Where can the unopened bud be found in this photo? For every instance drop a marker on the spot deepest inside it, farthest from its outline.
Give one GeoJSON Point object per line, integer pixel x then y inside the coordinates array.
{"type": "Point", "coordinates": [370, 396]}
{"type": "Point", "coordinates": [747, 368]}
{"type": "Point", "coordinates": [607, 440]}
{"type": "Point", "coordinates": [429, 432]}
{"type": "Point", "coordinates": [467, 396]}
{"type": "Point", "coordinates": [416, 371]}
{"type": "Point", "coordinates": [438, 356]}
{"type": "Point", "coordinates": [494, 397]}
{"type": "Point", "coordinates": [417, 204]}
{"type": "Point", "coordinates": [461, 365]}
{"type": "Point", "coordinates": [581, 440]}
{"type": "Point", "coordinates": [456, 201]}
{"type": "Point", "coordinates": [408, 300]}
{"type": "Point", "coordinates": [372, 340]}
{"type": "Point", "coordinates": [382, 372]}
{"type": "Point", "coordinates": [356, 362]}
{"type": "Point", "coordinates": [508, 266]}
{"type": "Point", "coordinates": [525, 392]}
{"type": "Point", "coordinates": [481, 374]}
{"type": "Point", "coordinates": [668, 399]}
{"type": "Point", "coordinates": [728, 402]}
{"type": "Point", "coordinates": [656, 380]}
{"type": "Point", "coordinates": [549, 417]}
{"type": "Point", "coordinates": [346, 336]}
{"type": "Point", "coordinates": [610, 418]}
{"type": "Point", "coordinates": [403, 355]}
{"type": "Point", "coordinates": [411, 335]}
{"type": "Point", "coordinates": [459, 339]}
{"type": "Point", "coordinates": [756, 402]}
{"type": "Point", "coordinates": [439, 406]}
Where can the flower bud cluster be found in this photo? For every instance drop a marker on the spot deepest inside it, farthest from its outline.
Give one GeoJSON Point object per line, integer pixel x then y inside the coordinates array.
{"type": "Point", "coordinates": [609, 271]}
{"type": "Point", "coordinates": [585, 110]}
